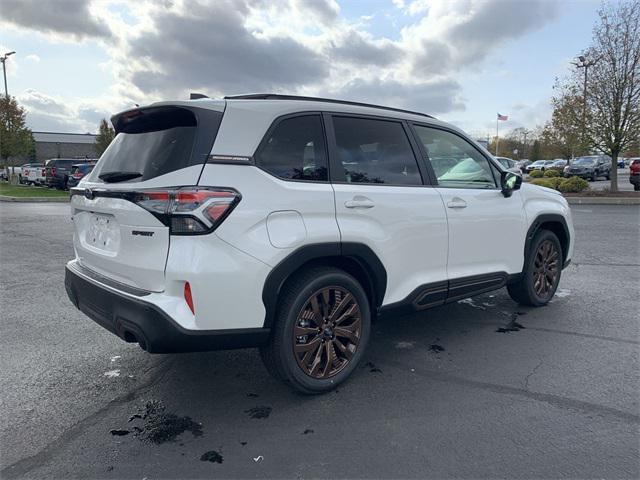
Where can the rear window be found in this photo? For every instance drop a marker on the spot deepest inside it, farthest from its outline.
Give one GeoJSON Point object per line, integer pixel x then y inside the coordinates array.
{"type": "Point", "coordinates": [157, 141]}
{"type": "Point", "coordinates": [81, 168]}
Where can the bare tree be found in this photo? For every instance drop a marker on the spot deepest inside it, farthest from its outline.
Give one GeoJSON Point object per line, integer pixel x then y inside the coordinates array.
{"type": "Point", "coordinates": [613, 86]}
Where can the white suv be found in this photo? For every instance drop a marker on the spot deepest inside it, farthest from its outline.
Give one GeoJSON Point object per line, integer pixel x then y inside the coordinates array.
{"type": "Point", "coordinates": [290, 223]}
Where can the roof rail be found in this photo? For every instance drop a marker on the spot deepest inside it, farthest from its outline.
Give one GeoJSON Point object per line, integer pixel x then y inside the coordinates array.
{"type": "Point", "coordinates": [196, 96]}
{"type": "Point", "coordinates": [275, 96]}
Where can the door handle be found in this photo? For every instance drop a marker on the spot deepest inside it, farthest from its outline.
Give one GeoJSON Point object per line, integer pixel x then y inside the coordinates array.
{"type": "Point", "coordinates": [457, 202]}
{"type": "Point", "coordinates": [359, 202]}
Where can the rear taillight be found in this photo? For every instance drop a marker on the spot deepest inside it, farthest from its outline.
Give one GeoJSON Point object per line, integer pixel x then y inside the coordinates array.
{"type": "Point", "coordinates": [43, 171]}
{"type": "Point", "coordinates": [189, 210]}
{"type": "Point", "coordinates": [53, 171]}
{"type": "Point", "coordinates": [77, 175]}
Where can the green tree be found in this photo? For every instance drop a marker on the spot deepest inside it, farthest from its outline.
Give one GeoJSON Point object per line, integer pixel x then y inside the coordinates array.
{"type": "Point", "coordinates": [563, 135]}
{"type": "Point", "coordinates": [535, 151]}
{"type": "Point", "coordinates": [16, 140]}
{"type": "Point", "coordinates": [105, 135]}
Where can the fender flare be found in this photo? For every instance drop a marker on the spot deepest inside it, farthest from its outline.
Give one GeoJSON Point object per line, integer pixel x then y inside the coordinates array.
{"type": "Point", "coordinates": [367, 260]}
{"type": "Point", "coordinates": [535, 226]}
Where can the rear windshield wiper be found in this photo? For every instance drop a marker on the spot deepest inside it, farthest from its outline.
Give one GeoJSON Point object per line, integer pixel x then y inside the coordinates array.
{"type": "Point", "coordinates": [118, 176]}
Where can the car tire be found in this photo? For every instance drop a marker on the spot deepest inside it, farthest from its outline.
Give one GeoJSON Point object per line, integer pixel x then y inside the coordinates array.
{"type": "Point", "coordinates": [541, 276]}
{"type": "Point", "coordinates": [593, 177]}
{"type": "Point", "coordinates": [636, 187]}
{"type": "Point", "coordinates": [306, 343]}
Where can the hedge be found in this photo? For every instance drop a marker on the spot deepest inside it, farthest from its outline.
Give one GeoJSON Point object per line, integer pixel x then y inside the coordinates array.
{"type": "Point", "coordinates": [565, 185]}
{"type": "Point", "coordinates": [552, 173]}
{"type": "Point", "coordinates": [547, 182]}
{"type": "Point", "coordinates": [573, 185]}
{"type": "Point", "coordinates": [536, 174]}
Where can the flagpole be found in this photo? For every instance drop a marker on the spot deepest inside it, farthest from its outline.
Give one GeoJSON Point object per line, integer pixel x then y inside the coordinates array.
{"type": "Point", "coordinates": [497, 137]}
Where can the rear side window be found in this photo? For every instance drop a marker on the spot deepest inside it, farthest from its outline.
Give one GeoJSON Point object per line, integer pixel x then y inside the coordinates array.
{"type": "Point", "coordinates": [375, 151]}
{"type": "Point", "coordinates": [160, 140]}
{"type": "Point", "coordinates": [456, 163]}
{"type": "Point", "coordinates": [295, 150]}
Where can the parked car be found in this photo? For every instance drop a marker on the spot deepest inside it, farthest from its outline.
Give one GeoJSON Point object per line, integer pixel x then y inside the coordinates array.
{"type": "Point", "coordinates": [522, 165]}
{"type": "Point", "coordinates": [634, 172]}
{"type": "Point", "coordinates": [558, 165]}
{"type": "Point", "coordinates": [589, 167]}
{"type": "Point", "coordinates": [293, 232]}
{"type": "Point", "coordinates": [622, 162]}
{"type": "Point", "coordinates": [507, 163]}
{"type": "Point", "coordinates": [57, 171]}
{"type": "Point", "coordinates": [78, 171]}
{"type": "Point", "coordinates": [33, 174]}
{"type": "Point", "coordinates": [539, 165]}
{"type": "Point", "coordinates": [11, 170]}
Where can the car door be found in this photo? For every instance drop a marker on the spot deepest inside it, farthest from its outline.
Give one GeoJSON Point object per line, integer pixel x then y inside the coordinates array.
{"type": "Point", "coordinates": [384, 201]}
{"type": "Point", "coordinates": [486, 230]}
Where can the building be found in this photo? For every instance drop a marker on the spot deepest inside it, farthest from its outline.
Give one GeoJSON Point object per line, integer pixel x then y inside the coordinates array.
{"type": "Point", "coordinates": [64, 145]}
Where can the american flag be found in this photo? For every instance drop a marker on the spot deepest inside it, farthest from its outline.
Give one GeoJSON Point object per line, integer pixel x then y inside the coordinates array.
{"type": "Point", "coordinates": [504, 118]}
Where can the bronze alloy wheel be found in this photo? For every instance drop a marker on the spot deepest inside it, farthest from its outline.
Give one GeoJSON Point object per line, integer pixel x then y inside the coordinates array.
{"type": "Point", "coordinates": [545, 268]}
{"type": "Point", "coordinates": [327, 332]}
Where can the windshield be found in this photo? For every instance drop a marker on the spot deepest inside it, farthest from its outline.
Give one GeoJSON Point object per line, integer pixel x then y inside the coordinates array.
{"type": "Point", "coordinates": [584, 161]}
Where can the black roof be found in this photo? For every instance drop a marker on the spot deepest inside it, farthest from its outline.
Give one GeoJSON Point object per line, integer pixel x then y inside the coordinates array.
{"type": "Point", "coordinates": [275, 96]}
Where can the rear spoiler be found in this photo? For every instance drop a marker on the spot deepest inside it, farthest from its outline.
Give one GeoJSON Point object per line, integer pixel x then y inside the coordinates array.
{"type": "Point", "coordinates": [149, 119]}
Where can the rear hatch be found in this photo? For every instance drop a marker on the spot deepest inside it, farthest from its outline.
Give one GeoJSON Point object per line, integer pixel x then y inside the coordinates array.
{"type": "Point", "coordinates": [122, 230]}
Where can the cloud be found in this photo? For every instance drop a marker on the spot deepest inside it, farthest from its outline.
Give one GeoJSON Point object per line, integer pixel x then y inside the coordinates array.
{"type": "Point", "coordinates": [326, 11]}
{"type": "Point", "coordinates": [164, 50]}
{"type": "Point", "coordinates": [48, 113]}
{"type": "Point", "coordinates": [69, 17]}
{"type": "Point", "coordinates": [33, 58]}
{"type": "Point", "coordinates": [210, 48]}
{"type": "Point", "coordinates": [356, 48]}
{"type": "Point", "coordinates": [455, 35]}
{"type": "Point", "coordinates": [429, 97]}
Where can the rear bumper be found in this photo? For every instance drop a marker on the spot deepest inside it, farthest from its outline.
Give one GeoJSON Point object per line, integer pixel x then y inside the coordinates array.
{"type": "Point", "coordinates": [634, 179]}
{"type": "Point", "coordinates": [135, 320]}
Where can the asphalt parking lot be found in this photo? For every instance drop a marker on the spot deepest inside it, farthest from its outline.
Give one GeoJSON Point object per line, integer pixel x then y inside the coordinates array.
{"type": "Point", "coordinates": [457, 391]}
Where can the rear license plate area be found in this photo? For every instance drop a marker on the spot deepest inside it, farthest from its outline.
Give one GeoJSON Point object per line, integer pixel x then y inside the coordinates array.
{"type": "Point", "coordinates": [102, 232]}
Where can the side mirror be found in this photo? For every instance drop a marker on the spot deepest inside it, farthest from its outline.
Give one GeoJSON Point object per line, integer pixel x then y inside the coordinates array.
{"type": "Point", "coordinates": [510, 181]}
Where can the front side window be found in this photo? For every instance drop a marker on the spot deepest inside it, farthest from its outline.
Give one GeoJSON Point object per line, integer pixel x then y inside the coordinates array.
{"type": "Point", "coordinates": [375, 151]}
{"type": "Point", "coordinates": [456, 163]}
{"type": "Point", "coordinates": [295, 150]}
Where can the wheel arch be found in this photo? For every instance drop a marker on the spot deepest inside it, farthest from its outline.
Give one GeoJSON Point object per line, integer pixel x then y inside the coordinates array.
{"type": "Point", "coordinates": [554, 223]}
{"type": "Point", "coordinates": [356, 259]}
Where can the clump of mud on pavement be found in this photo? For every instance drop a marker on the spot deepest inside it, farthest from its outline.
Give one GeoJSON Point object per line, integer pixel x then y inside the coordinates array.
{"type": "Point", "coordinates": [160, 427]}
{"type": "Point", "coordinates": [373, 368]}
{"type": "Point", "coordinates": [512, 326]}
{"type": "Point", "coordinates": [259, 412]}
{"type": "Point", "coordinates": [212, 456]}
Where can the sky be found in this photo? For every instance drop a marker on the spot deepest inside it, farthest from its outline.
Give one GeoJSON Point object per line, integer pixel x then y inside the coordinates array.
{"type": "Point", "coordinates": [463, 61]}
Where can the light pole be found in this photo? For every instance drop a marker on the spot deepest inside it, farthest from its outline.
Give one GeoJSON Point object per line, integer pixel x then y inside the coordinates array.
{"type": "Point", "coordinates": [3, 59]}
{"type": "Point", "coordinates": [585, 63]}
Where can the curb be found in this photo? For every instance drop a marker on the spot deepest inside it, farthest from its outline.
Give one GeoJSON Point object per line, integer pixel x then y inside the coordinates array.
{"type": "Point", "coordinates": [4, 198]}
{"type": "Point", "coordinates": [603, 201]}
